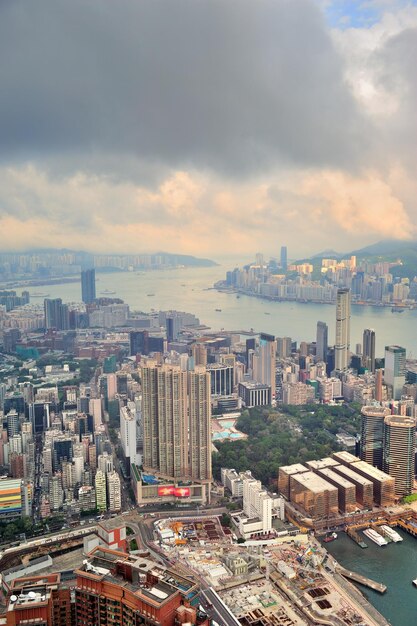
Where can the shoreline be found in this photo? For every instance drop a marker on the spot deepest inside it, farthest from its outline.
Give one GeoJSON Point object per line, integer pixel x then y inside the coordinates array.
{"type": "Point", "coordinates": [251, 294]}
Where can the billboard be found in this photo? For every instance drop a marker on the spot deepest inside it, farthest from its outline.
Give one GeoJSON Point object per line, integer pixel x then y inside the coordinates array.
{"type": "Point", "coordinates": [166, 490]}
{"type": "Point", "coordinates": [182, 492]}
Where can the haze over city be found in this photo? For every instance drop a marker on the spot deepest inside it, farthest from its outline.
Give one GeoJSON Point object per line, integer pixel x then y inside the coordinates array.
{"type": "Point", "coordinates": [197, 127]}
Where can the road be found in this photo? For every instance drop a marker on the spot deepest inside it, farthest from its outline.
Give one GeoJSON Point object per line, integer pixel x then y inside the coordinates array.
{"type": "Point", "coordinates": [217, 610]}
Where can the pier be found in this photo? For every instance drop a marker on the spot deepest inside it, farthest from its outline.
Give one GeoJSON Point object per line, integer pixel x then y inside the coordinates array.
{"type": "Point", "coordinates": [351, 532]}
{"type": "Point", "coordinates": [410, 526]}
{"type": "Point", "coordinates": [363, 580]}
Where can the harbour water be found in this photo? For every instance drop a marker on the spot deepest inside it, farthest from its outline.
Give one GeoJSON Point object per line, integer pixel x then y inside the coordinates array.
{"type": "Point", "coordinates": [394, 565]}
{"type": "Point", "coordinates": [189, 290]}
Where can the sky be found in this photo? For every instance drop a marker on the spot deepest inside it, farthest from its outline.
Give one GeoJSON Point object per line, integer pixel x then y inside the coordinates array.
{"type": "Point", "coordinates": [207, 127]}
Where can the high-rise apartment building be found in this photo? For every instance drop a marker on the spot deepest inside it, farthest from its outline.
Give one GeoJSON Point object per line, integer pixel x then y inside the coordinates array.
{"type": "Point", "coordinates": [101, 495]}
{"type": "Point", "coordinates": [284, 347]}
{"type": "Point", "coordinates": [321, 341]}
{"type": "Point", "coordinates": [342, 344]}
{"type": "Point", "coordinates": [88, 286]}
{"type": "Point", "coordinates": [114, 493]}
{"type": "Point", "coordinates": [165, 420]}
{"type": "Point", "coordinates": [399, 434]}
{"type": "Point", "coordinates": [176, 422]}
{"type": "Point", "coordinates": [368, 349]}
{"type": "Point", "coordinates": [199, 424]}
{"type": "Point", "coordinates": [394, 374]}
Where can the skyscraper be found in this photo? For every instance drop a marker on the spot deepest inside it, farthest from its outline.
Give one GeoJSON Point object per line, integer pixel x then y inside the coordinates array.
{"type": "Point", "coordinates": [56, 314]}
{"type": "Point", "coordinates": [368, 349]}
{"type": "Point", "coordinates": [399, 433]}
{"type": "Point", "coordinates": [200, 424]}
{"type": "Point", "coordinates": [165, 420]}
{"type": "Point", "coordinates": [394, 374]}
{"type": "Point", "coordinates": [372, 434]}
{"type": "Point", "coordinates": [284, 260]}
{"type": "Point", "coordinates": [342, 345]}
{"type": "Point", "coordinates": [264, 361]}
{"type": "Point", "coordinates": [176, 420]}
{"type": "Point", "coordinates": [321, 341]}
{"type": "Point", "coordinates": [88, 285]}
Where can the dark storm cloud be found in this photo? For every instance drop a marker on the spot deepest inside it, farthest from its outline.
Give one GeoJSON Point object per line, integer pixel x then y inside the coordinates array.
{"type": "Point", "coordinates": [232, 86]}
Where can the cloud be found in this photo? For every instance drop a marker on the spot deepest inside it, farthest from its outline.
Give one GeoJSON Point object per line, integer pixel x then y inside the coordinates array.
{"type": "Point", "coordinates": [233, 88]}
{"type": "Point", "coordinates": [200, 214]}
{"type": "Point", "coordinates": [206, 126]}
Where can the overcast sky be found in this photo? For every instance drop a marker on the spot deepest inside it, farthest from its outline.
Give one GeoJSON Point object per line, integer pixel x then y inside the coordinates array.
{"type": "Point", "coordinates": [207, 127]}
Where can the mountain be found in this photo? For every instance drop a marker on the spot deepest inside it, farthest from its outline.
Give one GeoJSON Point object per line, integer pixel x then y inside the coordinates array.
{"type": "Point", "coordinates": [328, 254]}
{"type": "Point", "coordinates": [387, 247]}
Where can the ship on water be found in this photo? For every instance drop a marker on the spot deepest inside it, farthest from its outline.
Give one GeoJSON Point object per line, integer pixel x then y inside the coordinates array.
{"type": "Point", "coordinates": [391, 533]}
{"type": "Point", "coordinates": [375, 537]}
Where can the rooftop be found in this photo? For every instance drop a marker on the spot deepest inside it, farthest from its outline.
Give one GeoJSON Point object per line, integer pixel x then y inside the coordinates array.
{"type": "Point", "coordinates": [340, 480]}
{"type": "Point", "coordinates": [347, 457]}
{"type": "Point", "coordinates": [354, 476]}
{"type": "Point", "coordinates": [371, 471]}
{"type": "Point", "coordinates": [313, 482]}
{"type": "Point", "coordinates": [296, 468]}
{"type": "Point", "coordinates": [322, 463]}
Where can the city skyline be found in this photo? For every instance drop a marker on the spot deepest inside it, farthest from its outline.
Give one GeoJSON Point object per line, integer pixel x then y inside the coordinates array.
{"type": "Point", "coordinates": [162, 136]}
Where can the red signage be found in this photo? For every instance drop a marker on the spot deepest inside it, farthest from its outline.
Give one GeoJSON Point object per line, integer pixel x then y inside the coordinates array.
{"type": "Point", "coordinates": [167, 490]}
{"type": "Point", "coordinates": [182, 492]}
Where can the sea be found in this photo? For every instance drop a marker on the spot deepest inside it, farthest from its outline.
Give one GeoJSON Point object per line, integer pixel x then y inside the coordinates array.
{"type": "Point", "coordinates": [394, 565]}
{"type": "Point", "coordinates": [191, 290]}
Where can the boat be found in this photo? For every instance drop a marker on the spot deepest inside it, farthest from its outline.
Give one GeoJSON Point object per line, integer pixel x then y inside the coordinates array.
{"type": "Point", "coordinates": [266, 313]}
{"type": "Point", "coordinates": [396, 309]}
{"type": "Point", "coordinates": [375, 537]}
{"type": "Point", "coordinates": [218, 310]}
{"type": "Point", "coordinates": [330, 537]}
{"type": "Point", "coordinates": [107, 292]}
{"type": "Point", "coordinates": [36, 294]}
{"type": "Point", "coordinates": [391, 533]}
{"type": "Point", "coordinates": [415, 582]}
{"type": "Point", "coordinates": [150, 294]}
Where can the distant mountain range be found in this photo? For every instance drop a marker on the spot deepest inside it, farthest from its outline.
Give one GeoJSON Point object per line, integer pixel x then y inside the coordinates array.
{"type": "Point", "coordinates": [156, 258]}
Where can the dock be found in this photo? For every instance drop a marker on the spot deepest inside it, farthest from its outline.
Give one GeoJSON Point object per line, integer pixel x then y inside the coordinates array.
{"type": "Point", "coordinates": [410, 526]}
{"type": "Point", "coordinates": [351, 532]}
{"type": "Point", "coordinates": [363, 580]}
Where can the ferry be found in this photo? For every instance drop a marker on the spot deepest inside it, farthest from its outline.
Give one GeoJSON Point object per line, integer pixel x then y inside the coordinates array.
{"type": "Point", "coordinates": [375, 537]}
{"type": "Point", "coordinates": [107, 292]}
{"type": "Point", "coordinates": [396, 309]}
{"type": "Point", "coordinates": [218, 310]}
{"type": "Point", "coordinates": [150, 294]}
{"type": "Point", "coordinates": [330, 537]}
{"type": "Point", "coordinates": [391, 533]}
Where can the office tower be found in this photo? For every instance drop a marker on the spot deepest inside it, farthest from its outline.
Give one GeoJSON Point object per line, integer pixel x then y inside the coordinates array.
{"type": "Point", "coordinates": [100, 485]}
{"type": "Point", "coordinates": [264, 359]}
{"type": "Point", "coordinates": [250, 348]}
{"type": "Point", "coordinates": [94, 408]}
{"type": "Point", "coordinates": [88, 286]}
{"type": "Point", "coordinates": [394, 374]}
{"type": "Point", "coordinates": [222, 379]}
{"type": "Point", "coordinates": [321, 341]}
{"type": "Point", "coordinates": [199, 424]}
{"type": "Point", "coordinates": [165, 420]}
{"type": "Point", "coordinates": [129, 435]}
{"type": "Point", "coordinates": [12, 423]}
{"type": "Point", "coordinates": [342, 345]}
{"type": "Point", "coordinates": [139, 342]}
{"type": "Point", "coordinates": [368, 349]}
{"type": "Point", "coordinates": [372, 434]}
{"type": "Point", "coordinates": [284, 347]}
{"type": "Point", "coordinates": [56, 314]}
{"type": "Point", "coordinates": [284, 261]}
{"type": "Point", "coordinates": [114, 494]}
{"type": "Point", "coordinates": [399, 433]}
